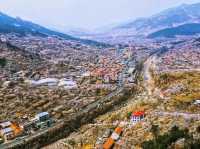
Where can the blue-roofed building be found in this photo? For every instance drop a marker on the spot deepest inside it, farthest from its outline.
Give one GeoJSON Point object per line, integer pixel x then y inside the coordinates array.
{"type": "Point", "coordinates": [7, 133]}
{"type": "Point", "coordinates": [42, 116]}
{"type": "Point", "coordinates": [42, 120]}
{"type": "Point", "coordinates": [5, 124]}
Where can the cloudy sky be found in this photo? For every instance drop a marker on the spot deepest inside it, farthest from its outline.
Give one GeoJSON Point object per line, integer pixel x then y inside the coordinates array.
{"type": "Point", "coordinates": [88, 14]}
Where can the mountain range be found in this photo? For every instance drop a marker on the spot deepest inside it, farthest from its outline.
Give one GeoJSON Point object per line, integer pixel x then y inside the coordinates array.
{"type": "Point", "coordinates": [172, 17]}
{"type": "Point", "coordinates": [181, 20]}
{"type": "Point", "coordinates": [22, 28]}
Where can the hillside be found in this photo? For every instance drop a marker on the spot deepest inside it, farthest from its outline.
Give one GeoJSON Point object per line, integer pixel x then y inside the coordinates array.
{"type": "Point", "coordinates": [22, 28]}
{"type": "Point", "coordinates": [14, 59]}
{"type": "Point", "coordinates": [186, 29]}
{"type": "Point", "coordinates": [185, 14]}
{"type": "Point", "coordinates": [168, 18]}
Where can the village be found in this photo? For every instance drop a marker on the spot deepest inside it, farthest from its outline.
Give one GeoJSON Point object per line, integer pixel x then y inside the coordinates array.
{"type": "Point", "coordinates": [59, 88]}
{"type": "Point", "coordinates": [131, 125]}
{"type": "Point", "coordinates": [184, 56]}
{"type": "Point", "coordinates": [59, 79]}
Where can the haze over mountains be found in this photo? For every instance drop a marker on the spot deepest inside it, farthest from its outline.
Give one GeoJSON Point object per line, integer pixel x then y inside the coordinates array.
{"type": "Point", "coordinates": [181, 20]}
{"type": "Point", "coordinates": [22, 28]}
{"type": "Point", "coordinates": [168, 23]}
{"type": "Point", "coordinates": [173, 17]}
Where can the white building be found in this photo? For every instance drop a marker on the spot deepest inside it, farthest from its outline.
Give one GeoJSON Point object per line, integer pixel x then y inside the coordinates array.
{"type": "Point", "coordinates": [67, 84]}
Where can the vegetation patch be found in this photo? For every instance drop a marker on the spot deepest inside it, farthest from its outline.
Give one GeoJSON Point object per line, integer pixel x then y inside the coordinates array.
{"type": "Point", "coordinates": [181, 86]}
{"type": "Point", "coordinates": [3, 62]}
{"type": "Point", "coordinates": [169, 139]}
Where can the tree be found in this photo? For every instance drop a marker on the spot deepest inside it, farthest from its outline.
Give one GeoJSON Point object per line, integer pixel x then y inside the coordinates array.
{"type": "Point", "coordinates": [155, 131]}
{"type": "Point", "coordinates": [3, 62]}
{"type": "Point", "coordinates": [198, 129]}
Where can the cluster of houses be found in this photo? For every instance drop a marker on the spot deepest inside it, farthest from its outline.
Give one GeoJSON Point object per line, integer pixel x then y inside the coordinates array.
{"type": "Point", "coordinates": [184, 57]}
{"type": "Point", "coordinates": [10, 130]}
{"type": "Point", "coordinates": [51, 47]}
{"type": "Point", "coordinates": [108, 70]}
{"type": "Point", "coordinates": [113, 137]}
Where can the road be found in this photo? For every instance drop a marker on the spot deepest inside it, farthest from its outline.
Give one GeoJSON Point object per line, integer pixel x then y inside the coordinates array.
{"type": "Point", "coordinates": [84, 110]}
{"type": "Point", "coordinates": [150, 64]}
{"type": "Point", "coordinates": [148, 81]}
{"type": "Point", "coordinates": [177, 114]}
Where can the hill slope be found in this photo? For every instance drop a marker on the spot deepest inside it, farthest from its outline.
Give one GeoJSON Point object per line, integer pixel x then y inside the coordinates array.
{"type": "Point", "coordinates": [142, 27]}
{"type": "Point", "coordinates": [168, 18]}
{"type": "Point", "coordinates": [186, 29]}
{"type": "Point", "coordinates": [14, 59]}
{"type": "Point", "coordinates": [21, 27]}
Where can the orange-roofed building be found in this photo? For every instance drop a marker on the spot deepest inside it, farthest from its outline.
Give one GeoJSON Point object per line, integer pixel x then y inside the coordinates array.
{"type": "Point", "coordinates": [17, 129]}
{"type": "Point", "coordinates": [118, 130]}
{"type": "Point", "coordinates": [109, 143]}
{"type": "Point", "coordinates": [116, 134]}
{"type": "Point", "coordinates": [137, 116]}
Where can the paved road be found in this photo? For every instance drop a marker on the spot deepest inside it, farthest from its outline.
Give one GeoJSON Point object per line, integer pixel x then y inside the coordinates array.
{"type": "Point", "coordinates": [176, 114]}
{"type": "Point", "coordinates": [86, 109]}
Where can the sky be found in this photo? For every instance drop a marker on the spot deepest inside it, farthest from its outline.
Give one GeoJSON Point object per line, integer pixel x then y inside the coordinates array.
{"type": "Point", "coordinates": [85, 14]}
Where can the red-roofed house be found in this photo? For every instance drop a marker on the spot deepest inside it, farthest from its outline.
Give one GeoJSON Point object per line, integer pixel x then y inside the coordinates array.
{"type": "Point", "coordinates": [137, 116]}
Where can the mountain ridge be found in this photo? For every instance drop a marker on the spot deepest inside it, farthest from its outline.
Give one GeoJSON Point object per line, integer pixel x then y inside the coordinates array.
{"type": "Point", "coordinates": [23, 27]}
{"type": "Point", "coordinates": [144, 27]}
{"type": "Point", "coordinates": [185, 29]}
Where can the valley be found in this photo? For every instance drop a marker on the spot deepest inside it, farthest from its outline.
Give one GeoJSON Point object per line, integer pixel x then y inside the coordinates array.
{"type": "Point", "coordinates": [135, 86]}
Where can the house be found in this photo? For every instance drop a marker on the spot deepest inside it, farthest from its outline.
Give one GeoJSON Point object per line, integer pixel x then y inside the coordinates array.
{"type": "Point", "coordinates": [101, 140]}
{"type": "Point", "coordinates": [9, 130]}
{"type": "Point", "coordinates": [44, 82]}
{"type": "Point", "coordinates": [86, 74]}
{"type": "Point", "coordinates": [131, 70]}
{"type": "Point", "coordinates": [42, 116]}
{"type": "Point", "coordinates": [42, 120]}
{"type": "Point", "coordinates": [28, 125]}
{"type": "Point", "coordinates": [137, 116]}
{"type": "Point", "coordinates": [7, 133]}
{"type": "Point", "coordinates": [67, 84]}
{"type": "Point", "coordinates": [109, 143]}
{"type": "Point", "coordinates": [43, 124]}
{"type": "Point", "coordinates": [5, 124]}
{"type": "Point", "coordinates": [197, 102]}
{"type": "Point", "coordinates": [115, 136]}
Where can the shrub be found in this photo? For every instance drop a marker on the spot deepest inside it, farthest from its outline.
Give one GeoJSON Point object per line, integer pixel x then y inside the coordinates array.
{"type": "Point", "coordinates": [164, 141]}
